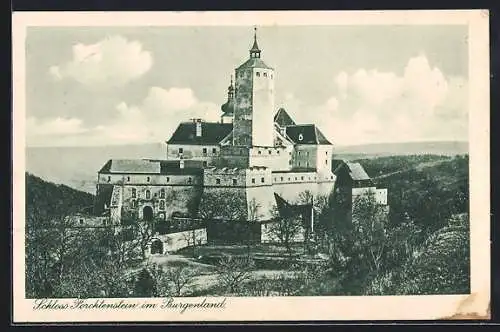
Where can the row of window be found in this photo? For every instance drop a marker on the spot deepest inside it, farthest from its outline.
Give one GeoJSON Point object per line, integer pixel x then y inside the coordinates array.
{"type": "Point", "coordinates": [148, 179]}
{"type": "Point", "coordinates": [160, 207]}
{"type": "Point", "coordinates": [257, 73]}
{"type": "Point", "coordinates": [302, 178]}
{"type": "Point", "coordinates": [205, 150]}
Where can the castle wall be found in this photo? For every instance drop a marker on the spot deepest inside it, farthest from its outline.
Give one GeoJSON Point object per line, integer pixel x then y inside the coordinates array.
{"type": "Point", "coordinates": [324, 158]}
{"type": "Point", "coordinates": [149, 179]}
{"type": "Point", "coordinates": [276, 158]}
{"type": "Point", "coordinates": [305, 156]}
{"type": "Point", "coordinates": [176, 241]}
{"type": "Point", "coordinates": [242, 122]}
{"type": "Point", "coordinates": [289, 185]}
{"type": "Point", "coordinates": [263, 107]}
{"type": "Point", "coordinates": [164, 200]}
{"type": "Point", "coordinates": [196, 152]}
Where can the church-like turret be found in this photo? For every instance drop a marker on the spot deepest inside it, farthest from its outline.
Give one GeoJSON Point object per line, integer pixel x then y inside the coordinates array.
{"type": "Point", "coordinates": [254, 101]}
{"type": "Point", "coordinates": [228, 107]}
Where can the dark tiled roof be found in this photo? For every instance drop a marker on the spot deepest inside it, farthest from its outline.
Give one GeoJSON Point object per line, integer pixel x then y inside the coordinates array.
{"type": "Point", "coordinates": [283, 119]}
{"type": "Point", "coordinates": [211, 133]}
{"type": "Point", "coordinates": [254, 63]}
{"type": "Point", "coordinates": [306, 134]}
{"type": "Point", "coordinates": [151, 166]}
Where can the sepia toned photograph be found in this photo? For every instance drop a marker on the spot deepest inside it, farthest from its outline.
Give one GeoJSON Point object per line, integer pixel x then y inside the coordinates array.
{"type": "Point", "coordinates": [203, 164]}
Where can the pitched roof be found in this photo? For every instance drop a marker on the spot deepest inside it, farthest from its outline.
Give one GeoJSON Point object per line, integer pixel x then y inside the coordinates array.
{"type": "Point", "coordinates": [254, 63]}
{"type": "Point", "coordinates": [306, 134]}
{"type": "Point", "coordinates": [357, 172]}
{"type": "Point", "coordinates": [151, 166]}
{"type": "Point", "coordinates": [211, 133]}
{"type": "Point", "coordinates": [283, 119]}
{"type": "Point", "coordinates": [133, 166]}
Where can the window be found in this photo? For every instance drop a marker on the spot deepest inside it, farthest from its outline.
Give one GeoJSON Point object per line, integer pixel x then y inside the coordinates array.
{"type": "Point", "coordinates": [281, 178]}
{"type": "Point", "coordinates": [217, 181]}
{"type": "Point", "coordinates": [134, 203]}
{"type": "Point", "coordinates": [260, 152]}
{"type": "Point", "coordinates": [265, 74]}
{"type": "Point", "coordinates": [278, 151]}
{"type": "Point", "coordinates": [104, 221]}
{"type": "Point", "coordinates": [295, 178]}
{"type": "Point", "coordinates": [204, 150]}
{"type": "Point", "coordinates": [258, 74]}
{"type": "Point", "coordinates": [214, 150]}
{"type": "Point", "coordinates": [162, 193]}
{"type": "Point", "coordinates": [302, 178]}
{"type": "Point", "coordinates": [168, 179]}
{"type": "Point", "coordinates": [307, 153]}
{"type": "Point", "coordinates": [181, 150]}
{"type": "Point", "coordinates": [301, 137]}
{"type": "Point", "coordinates": [109, 178]}
{"type": "Point", "coordinates": [253, 180]}
{"type": "Point", "coordinates": [299, 163]}
{"type": "Point", "coordinates": [307, 164]}
{"type": "Point", "coordinates": [326, 162]}
{"type": "Point", "coordinates": [235, 182]}
{"type": "Point", "coordinates": [299, 153]}
{"type": "Point", "coordinates": [81, 221]}
{"type": "Point", "coordinates": [326, 153]}
{"type": "Point", "coordinates": [270, 152]}
{"type": "Point", "coordinates": [148, 194]}
{"type": "Point", "coordinates": [204, 164]}
{"type": "Point", "coordinates": [162, 205]}
{"type": "Point", "coordinates": [134, 193]}
{"type": "Point", "coordinates": [128, 178]}
{"type": "Point", "coordinates": [190, 180]}
{"type": "Point", "coordinates": [262, 180]}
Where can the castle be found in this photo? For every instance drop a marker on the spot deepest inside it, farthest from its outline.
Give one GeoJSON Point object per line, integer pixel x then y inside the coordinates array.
{"type": "Point", "coordinates": [254, 155]}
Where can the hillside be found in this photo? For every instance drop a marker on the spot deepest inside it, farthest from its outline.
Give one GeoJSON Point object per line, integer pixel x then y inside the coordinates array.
{"type": "Point", "coordinates": [44, 199]}
{"type": "Point", "coordinates": [401, 149]}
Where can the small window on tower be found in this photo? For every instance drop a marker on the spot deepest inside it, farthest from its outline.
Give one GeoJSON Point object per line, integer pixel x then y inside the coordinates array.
{"type": "Point", "coordinates": [260, 152]}
{"type": "Point", "coordinates": [271, 76]}
{"type": "Point", "coordinates": [265, 74]}
{"type": "Point", "coordinates": [257, 74]}
{"type": "Point", "coordinates": [217, 181]}
{"type": "Point", "coordinates": [235, 182]}
{"type": "Point", "coordinates": [262, 180]}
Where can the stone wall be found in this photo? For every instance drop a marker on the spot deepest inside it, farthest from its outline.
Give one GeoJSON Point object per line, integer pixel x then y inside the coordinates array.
{"type": "Point", "coordinates": [175, 241]}
{"type": "Point", "coordinates": [242, 122]}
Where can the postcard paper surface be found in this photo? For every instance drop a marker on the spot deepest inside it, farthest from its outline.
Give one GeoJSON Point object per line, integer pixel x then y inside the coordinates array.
{"type": "Point", "coordinates": [250, 166]}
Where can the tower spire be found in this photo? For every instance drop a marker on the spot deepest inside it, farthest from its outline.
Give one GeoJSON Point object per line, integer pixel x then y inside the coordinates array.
{"type": "Point", "coordinates": [255, 51]}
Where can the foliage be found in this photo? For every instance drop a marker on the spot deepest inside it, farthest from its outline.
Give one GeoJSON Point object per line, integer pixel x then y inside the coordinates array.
{"type": "Point", "coordinates": [284, 230]}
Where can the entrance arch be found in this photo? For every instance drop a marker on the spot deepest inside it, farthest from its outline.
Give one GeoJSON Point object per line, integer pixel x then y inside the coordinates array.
{"type": "Point", "coordinates": [156, 247]}
{"type": "Point", "coordinates": [147, 213]}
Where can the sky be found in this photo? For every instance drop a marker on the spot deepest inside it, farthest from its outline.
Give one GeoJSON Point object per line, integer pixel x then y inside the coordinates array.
{"type": "Point", "coordinates": [88, 86]}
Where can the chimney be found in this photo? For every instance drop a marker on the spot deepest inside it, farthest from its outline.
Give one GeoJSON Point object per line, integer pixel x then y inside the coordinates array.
{"type": "Point", "coordinates": [198, 127]}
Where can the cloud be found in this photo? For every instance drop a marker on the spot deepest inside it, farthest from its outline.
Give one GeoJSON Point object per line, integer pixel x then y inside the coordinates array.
{"type": "Point", "coordinates": [370, 106]}
{"type": "Point", "coordinates": [153, 120]}
{"type": "Point", "coordinates": [111, 62]}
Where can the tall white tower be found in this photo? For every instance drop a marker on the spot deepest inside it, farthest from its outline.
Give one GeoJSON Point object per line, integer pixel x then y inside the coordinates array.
{"type": "Point", "coordinates": [254, 101]}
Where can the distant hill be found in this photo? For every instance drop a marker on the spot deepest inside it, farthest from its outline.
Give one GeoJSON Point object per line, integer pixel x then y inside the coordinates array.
{"type": "Point", "coordinates": [77, 166]}
{"type": "Point", "coordinates": [44, 199]}
{"type": "Point", "coordinates": [450, 148]}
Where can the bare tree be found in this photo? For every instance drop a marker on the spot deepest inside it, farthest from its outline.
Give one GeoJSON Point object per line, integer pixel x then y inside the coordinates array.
{"type": "Point", "coordinates": [284, 230]}
{"type": "Point", "coordinates": [370, 221]}
{"type": "Point", "coordinates": [234, 271]}
{"type": "Point", "coordinates": [179, 277]}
